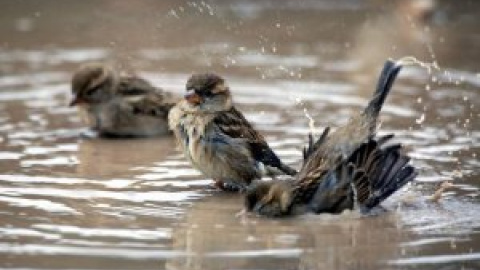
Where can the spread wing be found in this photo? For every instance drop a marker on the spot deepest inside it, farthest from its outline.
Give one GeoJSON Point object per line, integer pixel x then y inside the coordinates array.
{"type": "Point", "coordinates": [233, 124]}
{"type": "Point", "coordinates": [371, 174]}
{"type": "Point", "coordinates": [313, 146]}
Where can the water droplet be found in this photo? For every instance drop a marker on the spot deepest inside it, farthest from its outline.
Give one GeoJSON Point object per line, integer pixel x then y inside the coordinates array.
{"type": "Point", "coordinates": [410, 60]}
{"type": "Point", "coordinates": [24, 24]}
{"type": "Point", "coordinates": [173, 13]}
{"type": "Point", "coordinates": [311, 122]}
{"type": "Point", "coordinates": [421, 119]}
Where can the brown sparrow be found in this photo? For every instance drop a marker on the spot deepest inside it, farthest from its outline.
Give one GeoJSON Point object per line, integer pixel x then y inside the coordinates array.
{"type": "Point", "coordinates": [119, 106]}
{"type": "Point", "coordinates": [342, 169]}
{"type": "Point", "coordinates": [216, 137]}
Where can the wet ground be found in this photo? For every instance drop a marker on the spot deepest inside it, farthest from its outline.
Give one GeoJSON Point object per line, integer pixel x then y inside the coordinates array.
{"type": "Point", "coordinates": [73, 203]}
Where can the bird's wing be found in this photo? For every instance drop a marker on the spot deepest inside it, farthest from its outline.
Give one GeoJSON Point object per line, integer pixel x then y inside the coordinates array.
{"type": "Point", "coordinates": [152, 104]}
{"type": "Point", "coordinates": [323, 168]}
{"type": "Point", "coordinates": [313, 146]}
{"type": "Point", "coordinates": [320, 158]}
{"type": "Point", "coordinates": [133, 86]}
{"type": "Point", "coordinates": [143, 98]}
{"type": "Point", "coordinates": [378, 170]}
{"type": "Point", "coordinates": [370, 175]}
{"type": "Point", "coordinates": [233, 124]}
{"type": "Point", "coordinates": [334, 193]}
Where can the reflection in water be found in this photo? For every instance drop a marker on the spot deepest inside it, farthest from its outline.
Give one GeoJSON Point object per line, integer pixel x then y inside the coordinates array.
{"type": "Point", "coordinates": [218, 240]}
{"type": "Point", "coordinates": [68, 202]}
{"type": "Point", "coordinates": [96, 155]}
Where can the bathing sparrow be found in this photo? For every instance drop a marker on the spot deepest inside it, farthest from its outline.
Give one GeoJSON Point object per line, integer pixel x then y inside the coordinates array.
{"type": "Point", "coordinates": [119, 106]}
{"type": "Point", "coordinates": [341, 170]}
{"type": "Point", "coordinates": [216, 137]}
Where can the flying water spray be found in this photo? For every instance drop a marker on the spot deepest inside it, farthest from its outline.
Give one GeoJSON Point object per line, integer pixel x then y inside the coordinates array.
{"type": "Point", "coordinates": [410, 61]}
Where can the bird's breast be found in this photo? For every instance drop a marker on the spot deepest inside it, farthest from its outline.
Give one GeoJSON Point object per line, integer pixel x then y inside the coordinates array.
{"type": "Point", "coordinates": [192, 133]}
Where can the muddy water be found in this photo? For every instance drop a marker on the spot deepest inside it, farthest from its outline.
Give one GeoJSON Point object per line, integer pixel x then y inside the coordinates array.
{"type": "Point", "coordinates": [68, 202]}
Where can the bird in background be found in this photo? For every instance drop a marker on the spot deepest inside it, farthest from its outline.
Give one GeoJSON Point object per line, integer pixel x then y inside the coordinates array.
{"type": "Point", "coordinates": [348, 168]}
{"type": "Point", "coordinates": [216, 137]}
{"type": "Point", "coordinates": [115, 105]}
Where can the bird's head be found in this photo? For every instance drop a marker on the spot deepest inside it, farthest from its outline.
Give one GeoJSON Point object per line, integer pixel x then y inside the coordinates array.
{"type": "Point", "coordinates": [269, 198]}
{"type": "Point", "coordinates": [92, 84]}
{"type": "Point", "coordinates": [208, 92]}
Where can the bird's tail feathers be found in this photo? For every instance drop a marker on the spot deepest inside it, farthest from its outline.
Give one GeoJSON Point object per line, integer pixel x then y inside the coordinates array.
{"type": "Point", "coordinates": [387, 77]}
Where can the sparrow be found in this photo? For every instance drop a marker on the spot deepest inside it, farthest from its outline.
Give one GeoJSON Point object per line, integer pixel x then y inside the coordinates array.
{"type": "Point", "coordinates": [217, 138]}
{"type": "Point", "coordinates": [119, 106]}
{"type": "Point", "coordinates": [348, 168]}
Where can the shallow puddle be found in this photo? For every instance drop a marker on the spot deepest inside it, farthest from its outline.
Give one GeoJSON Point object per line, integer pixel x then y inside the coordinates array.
{"type": "Point", "coordinates": [68, 202]}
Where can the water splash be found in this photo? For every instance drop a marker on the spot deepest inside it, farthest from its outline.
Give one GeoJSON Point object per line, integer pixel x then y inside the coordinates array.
{"type": "Point", "coordinates": [311, 122]}
{"type": "Point", "coordinates": [411, 60]}
{"type": "Point", "coordinates": [430, 67]}
{"type": "Point", "coordinates": [421, 119]}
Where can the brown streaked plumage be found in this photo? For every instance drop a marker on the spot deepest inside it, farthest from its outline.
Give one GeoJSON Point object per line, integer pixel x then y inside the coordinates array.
{"type": "Point", "coordinates": [216, 137]}
{"type": "Point", "coordinates": [342, 169]}
{"type": "Point", "coordinates": [120, 106]}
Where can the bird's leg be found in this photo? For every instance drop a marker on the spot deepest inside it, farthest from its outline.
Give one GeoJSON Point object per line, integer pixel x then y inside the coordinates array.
{"type": "Point", "coordinates": [233, 187]}
{"type": "Point", "coordinates": [89, 134]}
{"type": "Point", "coordinates": [218, 184]}
{"type": "Point", "coordinates": [242, 213]}
{"type": "Point", "coordinates": [229, 186]}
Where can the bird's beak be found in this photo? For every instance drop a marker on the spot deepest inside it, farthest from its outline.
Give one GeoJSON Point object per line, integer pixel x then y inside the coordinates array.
{"type": "Point", "coordinates": [75, 101]}
{"type": "Point", "coordinates": [193, 98]}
